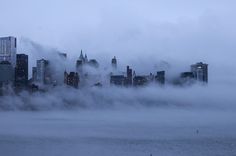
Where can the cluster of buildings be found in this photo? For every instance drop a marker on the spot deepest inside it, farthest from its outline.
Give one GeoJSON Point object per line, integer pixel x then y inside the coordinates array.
{"type": "Point", "coordinates": [13, 67]}
{"type": "Point", "coordinates": [131, 79]}
{"type": "Point", "coordinates": [198, 73]}
{"type": "Point", "coordinates": [14, 71]}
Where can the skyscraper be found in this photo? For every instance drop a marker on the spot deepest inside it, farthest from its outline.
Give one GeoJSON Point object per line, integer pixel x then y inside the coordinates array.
{"type": "Point", "coordinates": [34, 74]}
{"type": "Point", "coordinates": [129, 78]}
{"type": "Point", "coordinates": [8, 46]}
{"type": "Point", "coordinates": [71, 79]}
{"type": "Point", "coordinates": [6, 73]}
{"type": "Point", "coordinates": [200, 71]}
{"type": "Point", "coordinates": [160, 77]}
{"type": "Point", "coordinates": [114, 62]}
{"type": "Point", "coordinates": [43, 72]}
{"type": "Point", "coordinates": [21, 70]}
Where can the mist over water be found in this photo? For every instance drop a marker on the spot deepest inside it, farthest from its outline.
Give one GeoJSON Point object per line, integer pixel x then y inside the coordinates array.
{"type": "Point", "coordinates": [150, 35]}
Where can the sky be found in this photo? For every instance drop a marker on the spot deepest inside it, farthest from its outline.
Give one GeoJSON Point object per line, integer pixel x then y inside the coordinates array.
{"type": "Point", "coordinates": [138, 32]}
{"type": "Point", "coordinates": [124, 121]}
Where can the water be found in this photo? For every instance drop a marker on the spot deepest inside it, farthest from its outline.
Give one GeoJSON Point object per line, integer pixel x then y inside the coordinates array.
{"type": "Point", "coordinates": [119, 133]}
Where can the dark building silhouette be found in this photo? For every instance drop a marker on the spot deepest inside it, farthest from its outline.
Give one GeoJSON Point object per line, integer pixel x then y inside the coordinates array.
{"type": "Point", "coordinates": [160, 77]}
{"type": "Point", "coordinates": [129, 78]}
{"type": "Point", "coordinates": [21, 70]}
{"type": "Point", "coordinates": [140, 80]}
{"type": "Point", "coordinates": [34, 74]}
{"type": "Point", "coordinates": [117, 80]}
{"type": "Point", "coordinates": [114, 62]}
{"type": "Point", "coordinates": [83, 60]}
{"type": "Point", "coordinates": [8, 48]}
{"type": "Point", "coordinates": [186, 78]}
{"type": "Point", "coordinates": [7, 73]}
{"type": "Point", "coordinates": [188, 75]}
{"type": "Point", "coordinates": [82, 57]}
{"type": "Point", "coordinates": [71, 79]}
{"type": "Point", "coordinates": [93, 63]}
{"type": "Point", "coordinates": [200, 71]}
{"type": "Point", "coordinates": [34, 88]}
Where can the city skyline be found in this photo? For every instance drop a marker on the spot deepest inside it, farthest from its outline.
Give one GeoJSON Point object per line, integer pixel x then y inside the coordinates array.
{"type": "Point", "coordinates": [44, 72]}
{"type": "Point", "coordinates": [117, 77]}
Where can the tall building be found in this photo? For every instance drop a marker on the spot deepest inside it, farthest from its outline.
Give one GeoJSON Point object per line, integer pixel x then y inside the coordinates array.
{"type": "Point", "coordinates": [43, 72]}
{"type": "Point", "coordinates": [34, 74]}
{"type": "Point", "coordinates": [129, 78]}
{"type": "Point", "coordinates": [200, 71]}
{"type": "Point", "coordinates": [186, 78]}
{"type": "Point", "coordinates": [140, 80]}
{"type": "Point", "coordinates": [6, 73]}
{"type": "Point", "coordinates": [160, 77]}
{"type": "Point", "coordinates": [71, 79]}
{"type": "Point", "coordinates": [21, 70]}
{"type": "Point", "coordinates": [117, 80]}
{"type": "Point", "coordinates": [114, 62]}
{"type": "Point", "coordinates": [8, 46]}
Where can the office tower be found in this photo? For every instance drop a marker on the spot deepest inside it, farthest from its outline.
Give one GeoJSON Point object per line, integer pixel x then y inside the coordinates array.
{"type": "Point", "coordinates": [117, 80]}
{"type": "Point", "coordinates": [200, 71]}
{"type": "Point", "coordinates": [187, 78]}
{"type": "Point", "coordinates": [8, 46]}
{"type": "Point", "coordinates": [114, 62]}
{"type": "Point", "coordinates": [71, 79]}
{"type": "Point", "coordinates": [43, 72]}
{"type": "Point", "coordinates": [6, 73]}
{"type": "Point", "coordinates": [34, 74]}
{"type": "Point", "coordinates": [129, 76]}
{"type": "Point", "coordinates": [21, 70]}
{"type": "Point", "coordinates": [140, 80]}
{"type": "Point", "coordinates": [160, 77]}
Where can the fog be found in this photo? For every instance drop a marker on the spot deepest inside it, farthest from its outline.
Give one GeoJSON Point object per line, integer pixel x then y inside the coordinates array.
{"type": "Point", "coordinates": [148, 35]}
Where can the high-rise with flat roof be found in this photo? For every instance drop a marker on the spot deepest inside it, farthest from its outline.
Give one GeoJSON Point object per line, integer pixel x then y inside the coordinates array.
{"type": "Point", "coordinates": [6, 73]}
{"type": "Point", "coordinates": [21, 70]}
{"type": "Point", "coordinates": [43, 72]}
{"type": "Point", "coordinates": [8, 46]}
{"type": "Point", "coordinates": [200, 71]}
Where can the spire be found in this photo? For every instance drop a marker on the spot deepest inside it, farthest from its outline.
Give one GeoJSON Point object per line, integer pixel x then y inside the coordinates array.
{"type": "Point", "coordinates": [81, 57]}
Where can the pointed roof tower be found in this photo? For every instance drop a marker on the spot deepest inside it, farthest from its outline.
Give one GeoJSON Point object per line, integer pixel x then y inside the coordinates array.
{"type": "Point", "coordinates": [81, 57]}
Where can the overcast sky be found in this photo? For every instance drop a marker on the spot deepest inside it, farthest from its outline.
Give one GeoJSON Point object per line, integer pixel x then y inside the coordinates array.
{"type": "Point", "coordinates": [173, 30]}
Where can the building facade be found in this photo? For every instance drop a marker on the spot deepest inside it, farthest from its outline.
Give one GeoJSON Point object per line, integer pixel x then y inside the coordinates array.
{"type": "Point", "coordinates": [114, 63]}
{"type": "Point", "coordinates": [34, 74]}
{"type": "Point", "coordinates": [160, 77]}
{"type": "Point", "coordinates": [8, 47]}
{"type": "Point", "coordinates": [6, 73]}
{"type": "Point", "coordinates": [200, 72]}
{"type": "Point", "coordinates": [43, 72]}
{"type": "Point", "coordinates": [21, 70]}
{"type": "Point", "coordinates": [71, 79]}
